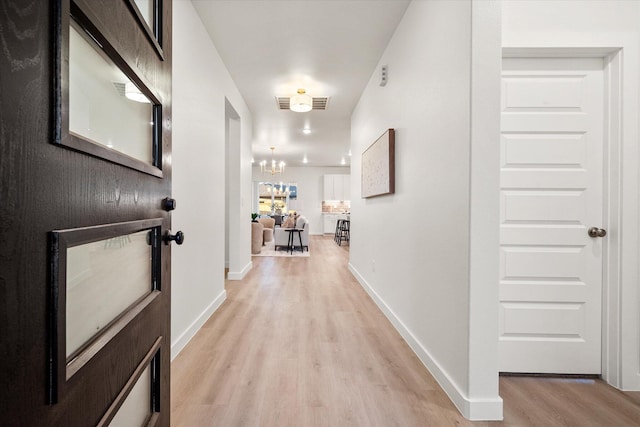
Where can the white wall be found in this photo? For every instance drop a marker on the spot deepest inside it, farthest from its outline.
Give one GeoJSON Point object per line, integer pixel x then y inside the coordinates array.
{"type": "Point", "coordinates": [426, 275]}
{"type": "Point", "coordinates": [485, 204]}
{"type": "Point", "coordinates": [310, 190]}
{"type": "Point", "coordinates": [201, 84]}
{"type": "Point", "coordinates": [604, 25]}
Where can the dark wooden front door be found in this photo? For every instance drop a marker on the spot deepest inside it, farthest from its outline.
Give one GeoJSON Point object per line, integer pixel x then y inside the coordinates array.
{"type": "Point", "coordinates": [84, 266]}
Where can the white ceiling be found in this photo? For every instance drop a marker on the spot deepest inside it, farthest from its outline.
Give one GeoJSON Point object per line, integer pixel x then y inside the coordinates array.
{"type": "Point", "coordinates": [328, 47]}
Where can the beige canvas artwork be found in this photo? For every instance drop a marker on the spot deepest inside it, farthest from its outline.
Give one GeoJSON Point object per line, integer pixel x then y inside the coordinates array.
{"type": "Point", "coordinates": [378, 169]}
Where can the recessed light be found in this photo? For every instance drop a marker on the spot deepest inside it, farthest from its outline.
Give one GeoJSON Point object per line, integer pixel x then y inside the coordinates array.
{"type": "Point", "coordinates": [306, 131]}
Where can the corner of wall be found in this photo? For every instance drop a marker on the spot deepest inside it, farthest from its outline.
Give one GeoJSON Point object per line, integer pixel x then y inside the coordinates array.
{"type": "Point", "coordinates": [449, 276]}
{"type": "Point", "coordinates": [239, 275]}
{"type": "Point", "coordinates": [472, 409]}
{"type": "Point", "coordinates": [484, 206]}
{"type": "Point", "coordinates": [180, 343]}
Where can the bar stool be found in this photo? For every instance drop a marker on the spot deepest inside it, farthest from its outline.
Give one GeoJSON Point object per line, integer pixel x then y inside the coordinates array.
{"type": "Point", "coordinates": [337, 231]}
{"type": "Point", "coordinates": [344, 232]}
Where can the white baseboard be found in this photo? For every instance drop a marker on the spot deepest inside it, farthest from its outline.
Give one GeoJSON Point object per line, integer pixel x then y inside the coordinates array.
{"type": "Point", "coordinates": [472, 409]}
{"type": "Point", "coordinates": [235, 275]}
{"type": "Point", "coordinates": [483, 409]}
{"type": "Point", "coordinates": [179, 344]}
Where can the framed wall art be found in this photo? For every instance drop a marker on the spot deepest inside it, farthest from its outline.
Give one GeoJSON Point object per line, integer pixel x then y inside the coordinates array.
{"type": "Point", "coordinates": [378, 166]}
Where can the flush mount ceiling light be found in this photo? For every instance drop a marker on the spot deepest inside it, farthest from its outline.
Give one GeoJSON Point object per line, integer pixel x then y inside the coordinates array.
{"type": "Point", "coordinates": [301, 103]}
{"type": "Point", "coordinates": [276, 167]}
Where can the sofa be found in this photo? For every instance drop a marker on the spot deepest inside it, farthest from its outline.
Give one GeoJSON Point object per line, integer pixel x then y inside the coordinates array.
{"type": "Point", "coordinates": [281, 236]}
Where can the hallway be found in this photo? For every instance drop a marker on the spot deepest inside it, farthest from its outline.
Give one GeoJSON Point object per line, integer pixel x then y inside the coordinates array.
{"type": "Point", "coordinates": [299, 343]}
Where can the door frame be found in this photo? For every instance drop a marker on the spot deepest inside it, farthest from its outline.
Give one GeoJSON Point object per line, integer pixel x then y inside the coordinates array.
{"type": "Point", "coordinates": [613, 165]}
{"type": "Point", "coordinates": [233, 194]}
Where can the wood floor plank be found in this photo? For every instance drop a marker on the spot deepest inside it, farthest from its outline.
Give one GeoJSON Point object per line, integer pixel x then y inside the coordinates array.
{"type": "Point", "coordinates": [533, 401]}
{"type": "Point", "coordinates": [300, 343]}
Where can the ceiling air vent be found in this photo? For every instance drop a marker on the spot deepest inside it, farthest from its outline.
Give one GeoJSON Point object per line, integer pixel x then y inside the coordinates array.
{"type": "Point", "coordinates": [319, 103]}
{"type": "Point", "coordinates": [283, 102]}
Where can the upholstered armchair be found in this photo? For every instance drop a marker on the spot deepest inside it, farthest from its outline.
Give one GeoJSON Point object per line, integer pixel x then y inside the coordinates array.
{"type": "Point", "coordinates": [267, 232]}
{"type": "Point", "coordinates": [281, 236]}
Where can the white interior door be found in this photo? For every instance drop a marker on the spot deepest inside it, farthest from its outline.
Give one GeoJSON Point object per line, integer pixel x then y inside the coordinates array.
{"type": "Point", "coordinates": [551, 194]}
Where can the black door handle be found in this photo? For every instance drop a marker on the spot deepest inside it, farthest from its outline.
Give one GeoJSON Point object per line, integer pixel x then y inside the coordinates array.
{"type": "Point", "coordinates": [178, 237]}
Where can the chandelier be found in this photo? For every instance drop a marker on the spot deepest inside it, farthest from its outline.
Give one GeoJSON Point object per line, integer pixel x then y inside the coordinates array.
{"type": "Point", "coordinates": [301, 103]}
{"type": "Point", "coordinates": [275, 166]}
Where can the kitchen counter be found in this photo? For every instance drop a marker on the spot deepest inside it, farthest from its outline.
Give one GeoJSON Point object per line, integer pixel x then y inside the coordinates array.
{"type": "Point", "coordinates": [330, 219]}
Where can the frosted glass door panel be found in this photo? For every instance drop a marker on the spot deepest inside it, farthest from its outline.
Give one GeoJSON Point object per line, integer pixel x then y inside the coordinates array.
{"type": "Point", "coordinates": [136, 408]}
{"type": "Point", "coordinates": [105, 107]}
{"type": "Point", "coordinates": [146, 8]}
{"type": "Point", "coordinates": [104, 278]}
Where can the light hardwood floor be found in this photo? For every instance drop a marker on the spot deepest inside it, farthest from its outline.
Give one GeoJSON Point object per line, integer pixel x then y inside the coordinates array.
{"type": "Point", "coordinates": [299, 343]}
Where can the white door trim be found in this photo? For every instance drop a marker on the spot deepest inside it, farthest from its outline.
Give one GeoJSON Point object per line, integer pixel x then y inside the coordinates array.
{"type": "Point", "coordinates": [612, 194]}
